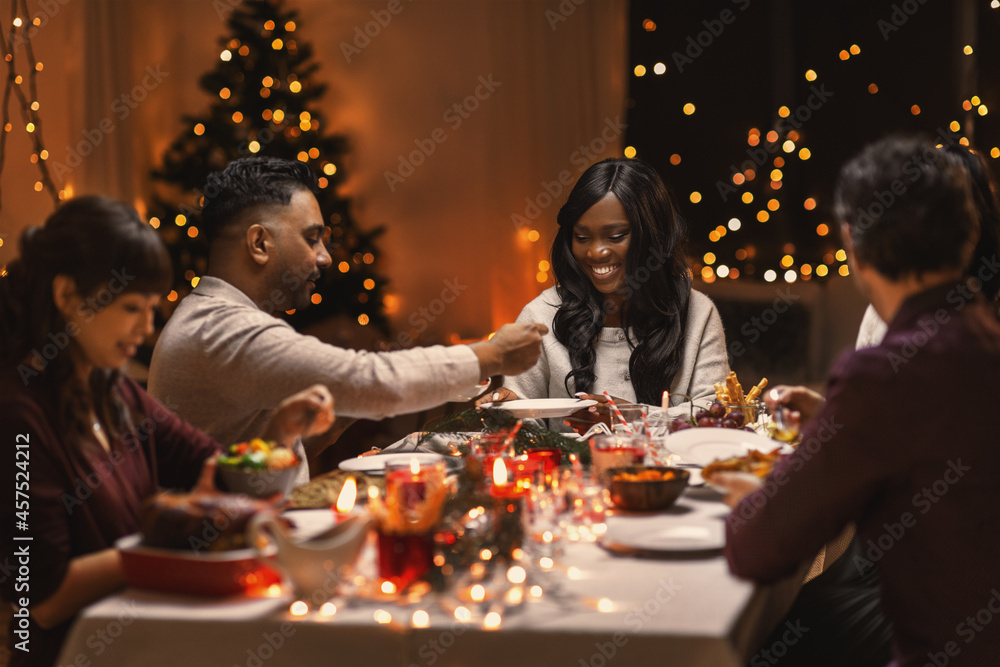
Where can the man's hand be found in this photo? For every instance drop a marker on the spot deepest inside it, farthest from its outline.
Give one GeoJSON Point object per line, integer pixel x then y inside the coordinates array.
{"type": "Point", "coordinates": [513, 349]}
{"type": "Point", "coordinates": [303, 414]}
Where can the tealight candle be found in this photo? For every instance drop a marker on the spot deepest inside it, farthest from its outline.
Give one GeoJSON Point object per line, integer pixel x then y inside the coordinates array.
{"type": "Point", "coordinates": [345, 501]}
{"type": "Point", "coordinates": [501, 488]}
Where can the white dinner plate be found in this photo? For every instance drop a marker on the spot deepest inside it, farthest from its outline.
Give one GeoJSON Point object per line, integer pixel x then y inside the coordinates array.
{"type": "Point", "coordinates": [377, 462]}
{"type": "Point", "coordinates": [677, 535]}
{"type": "Point", "coordinates": [701, 446]}
{"type": "Point", "coordinates": [542, 408]}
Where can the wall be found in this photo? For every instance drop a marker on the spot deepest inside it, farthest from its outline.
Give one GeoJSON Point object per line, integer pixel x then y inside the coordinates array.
{"type": "Point", "coordinates": [557, 82]}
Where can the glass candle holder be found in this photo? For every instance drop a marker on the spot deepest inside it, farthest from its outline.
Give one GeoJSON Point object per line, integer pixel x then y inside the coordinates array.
{"type": "Point", "coordinates": [414, 497]}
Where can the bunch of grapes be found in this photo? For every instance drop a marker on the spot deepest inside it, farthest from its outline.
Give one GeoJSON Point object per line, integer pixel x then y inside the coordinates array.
{"type": "Point", "coordinates": [717, 415]}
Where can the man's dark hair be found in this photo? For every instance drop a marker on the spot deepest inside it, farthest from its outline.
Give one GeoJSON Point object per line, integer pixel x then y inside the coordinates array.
{"type": "Point", "coordinates": [248, 183]}
{"type": "Point", "coordinates": [909, 207]}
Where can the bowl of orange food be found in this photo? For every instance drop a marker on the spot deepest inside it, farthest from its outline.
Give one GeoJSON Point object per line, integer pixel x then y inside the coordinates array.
{"type": "Point", "coordinates": [645, 488]}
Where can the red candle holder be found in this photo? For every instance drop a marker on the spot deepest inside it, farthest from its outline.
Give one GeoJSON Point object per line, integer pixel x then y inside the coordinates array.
{"type": "Point", "coordinates": [414, 495]}
{"type": "Point", "coordinates": [549, 457]}
{"type": "Point", "coordinates": [403, 559]}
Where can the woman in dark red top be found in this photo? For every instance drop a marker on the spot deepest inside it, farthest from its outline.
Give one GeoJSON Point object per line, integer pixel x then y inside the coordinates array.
{"type": "Point", "coordinates": [84, 444]}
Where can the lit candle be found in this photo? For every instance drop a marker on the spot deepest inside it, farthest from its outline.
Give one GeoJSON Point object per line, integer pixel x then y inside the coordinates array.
{"type": "Point", "coordinates": [666, 400]}
{"type": "Point", "coordinates": [501, 488]}
{"type": "Point", "coordinates": [346, 499]}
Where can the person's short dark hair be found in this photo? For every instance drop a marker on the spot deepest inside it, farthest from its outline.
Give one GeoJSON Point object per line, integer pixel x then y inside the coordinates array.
{"type": "Point", "coordinates": [909, 207]}
{"type": "Point", "coordinates": [248, 183]}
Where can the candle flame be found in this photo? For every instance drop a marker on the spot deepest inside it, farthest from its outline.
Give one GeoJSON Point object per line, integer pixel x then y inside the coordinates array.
{"type": "Point", "coordinates": [414, 466]}
{"type": "Point", "coordinates": [372, 492]}
{"type": "Point", "coordinates": [499, 472]}
{"type": "Point", "coordinates": [348, 494]}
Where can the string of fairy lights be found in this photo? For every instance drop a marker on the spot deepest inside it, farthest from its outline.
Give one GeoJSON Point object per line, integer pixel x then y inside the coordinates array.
{"type": "Point", "coordinates": [24, 88]}
{"type": "Point", "coordinates": [710, 266]}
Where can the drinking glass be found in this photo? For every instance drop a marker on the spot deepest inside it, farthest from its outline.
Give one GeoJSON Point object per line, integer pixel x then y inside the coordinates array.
{"type": "Point", "coordinates": [616, 451]}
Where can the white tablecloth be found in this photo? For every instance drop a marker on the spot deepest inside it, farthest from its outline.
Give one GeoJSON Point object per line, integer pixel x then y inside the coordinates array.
{"type": "Point", "coordinates": [682, 611]}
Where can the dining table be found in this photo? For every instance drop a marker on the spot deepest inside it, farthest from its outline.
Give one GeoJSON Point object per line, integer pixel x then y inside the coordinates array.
{"type": "Point", "coordinates": [634, 597]}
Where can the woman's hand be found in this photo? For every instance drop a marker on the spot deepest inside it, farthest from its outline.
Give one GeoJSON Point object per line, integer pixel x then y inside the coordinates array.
{"type": "Point", "coordinates": [602, 413]}
{"type": "Point", "coordinates": [803, 402]}
{"type": "Point", "coordinates": [206, 481]}
{"type": "Point", "coordinates": [499, 395]}
{"type": "Point", "coordinates": [306, 413]}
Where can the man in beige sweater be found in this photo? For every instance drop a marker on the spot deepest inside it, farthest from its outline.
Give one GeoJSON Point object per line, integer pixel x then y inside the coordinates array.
{"type": "Point", "coordinates": [224, 361]}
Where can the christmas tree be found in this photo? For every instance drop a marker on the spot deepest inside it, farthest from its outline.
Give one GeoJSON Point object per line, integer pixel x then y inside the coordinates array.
{"type": "Point", "coordinates": [265, 102]}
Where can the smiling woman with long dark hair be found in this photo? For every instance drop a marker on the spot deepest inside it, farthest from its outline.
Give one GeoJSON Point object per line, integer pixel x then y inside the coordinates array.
{"type": "Point", "coordinates": [623, 316]}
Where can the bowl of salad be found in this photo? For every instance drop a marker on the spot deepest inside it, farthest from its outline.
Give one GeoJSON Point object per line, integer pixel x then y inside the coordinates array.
{"type": "Point", "coordinates": [258, 468]}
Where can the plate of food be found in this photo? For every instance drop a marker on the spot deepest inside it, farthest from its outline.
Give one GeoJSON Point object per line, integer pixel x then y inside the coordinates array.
{"type": "Point", "coordinates": [542, 408]}
{"type": "Point", "coordinates": [755, 462]}
{"type": "Point", "coordinates": [189, 572]}
{"type": "Point", "coordinates": [701, 446]}
{"type": "Point", "coordinates": [196, 544]}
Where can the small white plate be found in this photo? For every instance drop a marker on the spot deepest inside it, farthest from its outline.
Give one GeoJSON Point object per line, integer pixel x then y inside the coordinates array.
{"type": "Point", "coordinates": [541, 408]}
{"type": "Point", "coordinates": [377, 462]}
{"type": "Point", "coordinates": [701, 446]}
{"type": "Point", "coordinates": [676, 535]}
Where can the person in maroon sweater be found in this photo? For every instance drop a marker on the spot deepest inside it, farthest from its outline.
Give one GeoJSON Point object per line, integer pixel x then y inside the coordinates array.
{"type": "Point", "coordinates": [84, 445]}
{"type": "Point", "coordinates": [905, 441]}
